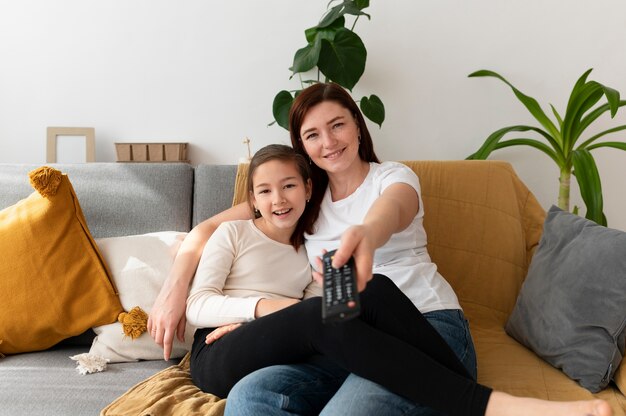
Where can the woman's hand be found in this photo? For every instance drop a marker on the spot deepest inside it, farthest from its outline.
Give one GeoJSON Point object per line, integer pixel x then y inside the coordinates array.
{"type": "Point", "coordinates": [356, 241]}
{"type": "Point", "coordinates": [167, 319]}
{"type": "Point", "coordinates": [220, 332]}
{"type": "Point", "coordinates": [267, 306]}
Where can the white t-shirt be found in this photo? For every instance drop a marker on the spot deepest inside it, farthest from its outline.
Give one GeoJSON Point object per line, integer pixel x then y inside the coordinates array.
{"type": "Point", "coordinates": [239, 266]}
{"type": "Point", "coordinates": [404, 258]}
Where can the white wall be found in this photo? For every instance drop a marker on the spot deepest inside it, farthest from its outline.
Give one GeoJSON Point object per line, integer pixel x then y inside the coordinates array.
{"type": "Point", "coordinates": [205, 72]}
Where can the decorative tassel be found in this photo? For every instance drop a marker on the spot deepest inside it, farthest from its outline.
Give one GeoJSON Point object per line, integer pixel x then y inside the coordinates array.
{"type": "Point", "coordinates": [88, 363]}
{"type": "Point", "coordinates": [45, 180]}
{"type": "Point", "coordinates": [134, 322]}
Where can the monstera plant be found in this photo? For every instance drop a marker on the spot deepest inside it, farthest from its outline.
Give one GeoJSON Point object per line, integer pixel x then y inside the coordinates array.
{"type": "Point", "coordinates": [338, 54]}
{"type": "Point", "coordinates": [563, 140]}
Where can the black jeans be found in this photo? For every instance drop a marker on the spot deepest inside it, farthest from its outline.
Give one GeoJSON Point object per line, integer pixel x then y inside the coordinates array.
{"type": "Point", "coordinates": [391, 343]}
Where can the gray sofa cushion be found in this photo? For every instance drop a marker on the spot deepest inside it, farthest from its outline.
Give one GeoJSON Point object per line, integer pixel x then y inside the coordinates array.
{"type": "Point", "coordinates": [213, 190]}
{"type": "Point", "coordinates": [118, 198]}
{"type": "Point", "coordinates": [47, 383]}
{"type": "Point", "coordinates": [571, 310]}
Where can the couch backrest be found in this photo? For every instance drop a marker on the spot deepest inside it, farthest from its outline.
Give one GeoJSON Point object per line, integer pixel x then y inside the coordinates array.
{"type": "Point", "coordinates": [213, 190]}
{"type": "Point", "coordinates": [118, 198]}
{"type": "Point", "coordinates": [483, 225]}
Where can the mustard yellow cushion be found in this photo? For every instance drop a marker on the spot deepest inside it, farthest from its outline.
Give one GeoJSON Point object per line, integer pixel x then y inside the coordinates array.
{"type": "Point", "coordinates": [53, 281]}
{"type": "Point", "coordinates": [168, 392]}
{"type": "Point", "coordinates": [620, 377]}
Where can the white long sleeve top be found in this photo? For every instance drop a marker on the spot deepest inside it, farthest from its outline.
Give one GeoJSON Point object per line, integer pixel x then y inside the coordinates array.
{"type": "Point", "coordinates": [239, 266]}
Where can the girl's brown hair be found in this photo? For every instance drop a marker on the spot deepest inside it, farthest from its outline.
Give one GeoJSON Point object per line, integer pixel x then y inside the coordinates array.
{"type": "Point", "coordinates": [284, 154]}
{"type": "Point", "coordinates": [307, 99]}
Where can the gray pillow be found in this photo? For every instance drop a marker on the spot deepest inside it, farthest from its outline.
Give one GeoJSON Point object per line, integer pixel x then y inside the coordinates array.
{"type": "Point", "coordinates": [571, 310]}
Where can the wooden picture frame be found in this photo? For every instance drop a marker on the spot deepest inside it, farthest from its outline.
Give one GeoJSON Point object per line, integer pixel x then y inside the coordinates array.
{"type": "Point", "coordinates": [86, 133]}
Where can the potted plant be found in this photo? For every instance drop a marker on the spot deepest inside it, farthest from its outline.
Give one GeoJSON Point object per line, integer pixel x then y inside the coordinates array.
{"type": "Point", "coordinates": [565, 144]}
{"type": "Point", "coordinates": [338, 54]}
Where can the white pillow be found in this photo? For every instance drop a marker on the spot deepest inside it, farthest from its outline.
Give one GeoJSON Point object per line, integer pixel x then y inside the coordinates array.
{"type": "Point", "coordinates": [139, 265]}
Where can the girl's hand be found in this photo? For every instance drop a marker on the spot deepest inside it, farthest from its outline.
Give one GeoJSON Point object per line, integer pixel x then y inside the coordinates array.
{"type": "Point", "coordinates": [220, 332]}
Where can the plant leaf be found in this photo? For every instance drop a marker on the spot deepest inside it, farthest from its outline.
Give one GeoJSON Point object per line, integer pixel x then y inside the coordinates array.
{"type": "Point", "coordinates": [581, 99]}
{"type": "Point", "coordinates": [615, 145]}
{"type": "Point", "coordinates": [373, 108]}
{"type": "Point", "coordinates": [343, 60]}
{"type": "Point", "coordinates": [331, 15]}
{"type": "Point", "coordinates": [529, 142]}
{"type": "Point", "coordinates": [588, 179]}
{"type": "Point", "coordinates": [529, 102]}
{"type": "Point", "coordinates": [352, 8]}
{"type": "Point", "coordinates": [327, 32]}
{"type": "Point", "coordinates": [306, 58]}
{"type": "Point", "coordinates": [347, 7]}
{"type": "Point", "coordinates": [362, 4]}
{"type": "Point", "coordinates": [584, 96]}
{"type": "Point", "coordinates": [579, 84]}
{"type": "Point", "coordinates": [601, 134]}
{"type": "Point", "coordinates": [612, 96]}
{"type": "Point", "coordinates": [491, 142]}
{"type": "Point", "coordinates": [557, 116]}
{"type": "Point", "coordinates": [280, 108]}
{"type": "Point", "coordinates": [597, 112]}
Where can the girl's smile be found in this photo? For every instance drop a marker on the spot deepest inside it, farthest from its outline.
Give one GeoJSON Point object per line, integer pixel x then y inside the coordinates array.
{"type": "Point", "coordinates": [280, 195]}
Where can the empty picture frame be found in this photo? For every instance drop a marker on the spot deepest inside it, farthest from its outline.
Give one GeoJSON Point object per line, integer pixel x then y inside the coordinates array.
{"type": "Point", "coordinates": [85, 133]}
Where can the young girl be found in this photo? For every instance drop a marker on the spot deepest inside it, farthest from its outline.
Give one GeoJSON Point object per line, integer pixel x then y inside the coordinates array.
{"type": "Point", "coordinates": [255, 272]}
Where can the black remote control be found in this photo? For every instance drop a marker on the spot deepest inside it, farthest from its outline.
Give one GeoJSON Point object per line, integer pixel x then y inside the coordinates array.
{"type": "Point", "coordinates": [340, 297]}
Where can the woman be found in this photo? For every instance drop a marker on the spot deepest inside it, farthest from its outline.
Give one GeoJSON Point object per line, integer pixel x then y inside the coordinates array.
{"type": "Point", "coordinates": [364, 206]}
{"type": "Point", "coordinates": [253, 271]}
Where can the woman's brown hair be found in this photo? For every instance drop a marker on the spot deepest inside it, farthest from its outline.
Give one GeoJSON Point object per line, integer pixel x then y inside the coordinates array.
{"type": "Point", "coordinates": [309, 98]}
{"type": "Point", "coordinates": [284, 154]}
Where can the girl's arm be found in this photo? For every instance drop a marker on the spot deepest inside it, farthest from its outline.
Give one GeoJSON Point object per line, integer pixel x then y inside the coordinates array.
{"type": "Point", "coordinates": [392, 212]}
{"type": "Point", "coordinates": [207, 305]}
{"type": "Point", "coordinates": [167, 316]}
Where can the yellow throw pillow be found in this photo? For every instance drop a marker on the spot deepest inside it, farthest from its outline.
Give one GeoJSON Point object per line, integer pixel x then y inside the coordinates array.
{"type": "Point", "coordinates": [54, 283]}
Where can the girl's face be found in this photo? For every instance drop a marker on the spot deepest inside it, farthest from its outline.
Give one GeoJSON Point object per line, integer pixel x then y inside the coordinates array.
{"type": "Point", "coordinates": [330, 137]}
{"type": "Point", "coordinates": [280, 194]}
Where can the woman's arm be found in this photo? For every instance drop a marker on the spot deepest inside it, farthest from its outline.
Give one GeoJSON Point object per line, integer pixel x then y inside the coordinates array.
{"type": "Point", "coordinates": [167, 316]}
{"type": "Point", "coordinates": [392, 212]}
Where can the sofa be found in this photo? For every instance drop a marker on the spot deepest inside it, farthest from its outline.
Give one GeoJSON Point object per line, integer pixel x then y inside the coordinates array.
{"type": "Point", "coordinates": [483, 228]}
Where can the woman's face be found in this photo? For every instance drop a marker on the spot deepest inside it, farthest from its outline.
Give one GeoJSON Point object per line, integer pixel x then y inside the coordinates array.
{"type": "Point", "coordinates": [330, 137]}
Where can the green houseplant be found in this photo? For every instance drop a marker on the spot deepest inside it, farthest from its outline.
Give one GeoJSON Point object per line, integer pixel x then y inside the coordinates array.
{"type": "Point", "coordinates": [338, 54]}
{"type": "Point", "coordinates": [565, 144]}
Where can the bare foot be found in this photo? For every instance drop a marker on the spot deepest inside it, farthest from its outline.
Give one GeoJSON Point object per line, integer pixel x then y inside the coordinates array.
{"type": "Point", "coordinates": [503, 404]}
